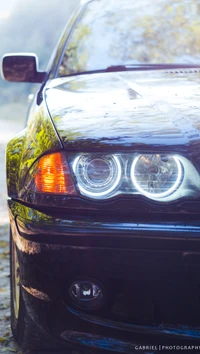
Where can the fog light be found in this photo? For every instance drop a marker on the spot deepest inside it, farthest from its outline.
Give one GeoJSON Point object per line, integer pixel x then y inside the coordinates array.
{"type": "Point", "coordinates": [88, 295]}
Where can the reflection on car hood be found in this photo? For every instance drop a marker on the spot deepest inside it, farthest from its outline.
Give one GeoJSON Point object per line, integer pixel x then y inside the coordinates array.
{"type": "Point", "coordinates": [126, 109]}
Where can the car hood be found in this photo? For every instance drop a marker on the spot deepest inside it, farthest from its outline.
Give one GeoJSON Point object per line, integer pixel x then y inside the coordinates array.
{"type": "Point", "coordinates": [127, 110]}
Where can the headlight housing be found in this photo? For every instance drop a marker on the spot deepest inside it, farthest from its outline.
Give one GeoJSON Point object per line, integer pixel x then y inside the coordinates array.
{"type": "Point", "coordinates": [102, 176]}
{"type": "Point", "coordinates": [156, 175]}
{"type": "Point", "coordinates": [61, 176]}
{"type": "Point", "coordinates": [98, 176]}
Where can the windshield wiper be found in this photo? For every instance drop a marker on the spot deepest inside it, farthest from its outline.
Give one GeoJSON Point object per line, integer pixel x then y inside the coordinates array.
{"type": "Point", "coordinates": [137, 67]}
{"type": "Point", "coordinates": [141, 67]}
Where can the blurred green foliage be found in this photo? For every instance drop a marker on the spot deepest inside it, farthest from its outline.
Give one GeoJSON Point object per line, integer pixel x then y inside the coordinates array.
{"type": "Point", "coordinates": [126, 32]}
{"type": "Point", "coordinates": [33, 26]}
{"type": "Point", "coordinates": [167, 31]}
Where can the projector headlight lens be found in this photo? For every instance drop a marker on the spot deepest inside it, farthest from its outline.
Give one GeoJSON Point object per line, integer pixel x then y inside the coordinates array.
{"type": "Point", "coordinates": [156, 175]}
{"type": "Point", "coordinates": [97, 175]}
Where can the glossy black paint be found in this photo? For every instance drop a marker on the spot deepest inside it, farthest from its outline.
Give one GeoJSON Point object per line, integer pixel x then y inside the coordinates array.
{"type": "Point", "coordinates": [21, 68]}
{"type": "Point", "coordinates": [38, 137]}
{"type": "Point", "coordinates": [78, 249]}
{"type": "Point", "coordinates": [133, 114]}
{"type": "Point", "coordinates": [145, 260]}
{"type": "Point", "coordinates": [145, 253]}
{"type": "Point", "coordinates": [55, 247]}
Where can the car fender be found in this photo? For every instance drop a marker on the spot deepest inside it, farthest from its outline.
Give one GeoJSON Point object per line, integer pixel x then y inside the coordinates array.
{"type": "Point", "coordinates": [38, 138]}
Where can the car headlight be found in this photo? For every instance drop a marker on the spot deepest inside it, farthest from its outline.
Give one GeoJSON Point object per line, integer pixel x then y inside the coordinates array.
{"type": "Point", "coordinates": [97, 175]}
{"type": "Point", "coordinates": [55, 177]}
{"type": "Point", "coordinates": [156, 175]}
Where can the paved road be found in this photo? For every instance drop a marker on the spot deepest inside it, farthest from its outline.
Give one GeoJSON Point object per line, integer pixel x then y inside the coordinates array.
{"type": "Point", "coordinates": [7, 345]}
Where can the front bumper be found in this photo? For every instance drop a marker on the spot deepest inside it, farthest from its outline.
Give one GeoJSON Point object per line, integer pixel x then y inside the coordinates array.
{"type": "Point", "coordinates": [145, 269]}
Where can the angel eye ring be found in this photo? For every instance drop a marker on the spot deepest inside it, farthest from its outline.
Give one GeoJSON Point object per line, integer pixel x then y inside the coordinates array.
{"type": "Point", "coordinates": [156, 175]}
{"type": "Point", "coordinates": [97, 175]}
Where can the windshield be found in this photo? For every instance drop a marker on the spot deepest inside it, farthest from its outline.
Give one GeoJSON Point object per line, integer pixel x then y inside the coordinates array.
{"type": "Point", "coordinates": [126, 32]}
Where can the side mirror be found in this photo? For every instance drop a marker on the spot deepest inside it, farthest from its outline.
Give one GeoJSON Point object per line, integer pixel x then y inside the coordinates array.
{"type": "Point", "coordinates": [21, 67]}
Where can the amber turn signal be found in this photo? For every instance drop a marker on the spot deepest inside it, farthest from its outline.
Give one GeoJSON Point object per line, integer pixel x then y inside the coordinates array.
{"type": "Point", "coordinates": [53, 175]}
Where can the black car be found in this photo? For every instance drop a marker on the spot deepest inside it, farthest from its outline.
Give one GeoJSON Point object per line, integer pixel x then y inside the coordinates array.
{"type": "Point", "coordinates": [104, 184]}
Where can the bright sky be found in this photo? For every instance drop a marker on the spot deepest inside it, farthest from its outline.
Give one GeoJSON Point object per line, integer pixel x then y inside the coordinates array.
{"type": "Point", "coordinates": [6, 8]}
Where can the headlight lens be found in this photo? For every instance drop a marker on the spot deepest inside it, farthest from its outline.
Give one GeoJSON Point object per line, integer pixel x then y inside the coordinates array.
{"type": "Point", "coordinates": [54, 177]}
{"type": "Point", "coordinates": [97, 176]}
{"type": "Point", "coordinates": [156, 176]}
